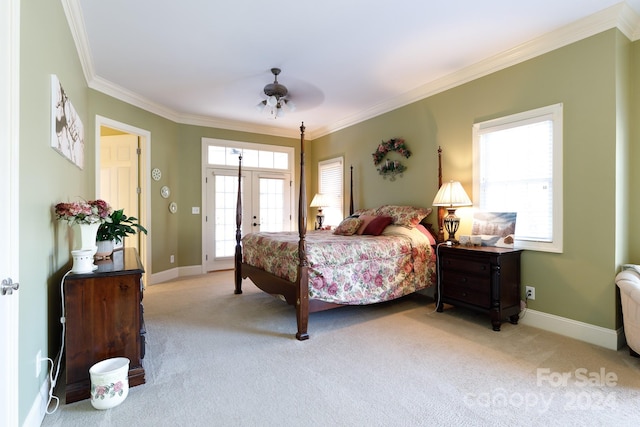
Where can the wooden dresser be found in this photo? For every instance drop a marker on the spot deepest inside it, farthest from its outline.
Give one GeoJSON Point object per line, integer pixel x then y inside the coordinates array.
{"type": "Point", "coordinates": [485, 279]}
{"type": "Point", "coordinates": [104, 319]}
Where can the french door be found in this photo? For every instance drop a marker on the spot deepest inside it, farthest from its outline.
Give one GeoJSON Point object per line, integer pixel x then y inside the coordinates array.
{"type": "Point", "coordinates": [266, 206]}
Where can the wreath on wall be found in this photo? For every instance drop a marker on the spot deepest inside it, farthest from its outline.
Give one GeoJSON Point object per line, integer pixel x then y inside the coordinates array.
{"type": "Point", "coordinates": [394, 167]}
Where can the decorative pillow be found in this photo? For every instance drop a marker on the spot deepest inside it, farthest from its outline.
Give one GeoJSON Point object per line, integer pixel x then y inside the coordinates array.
{"type": "Point", "coordinates": [407, 216]}
{"type": "Point", "coordinates": [377, 225]}
{"type": "Point", "coordinates": [361, 212]}
{"type": "Point", "coordinates": [348, 226]}
{"type": "Point", "coordinates": [366, 220]}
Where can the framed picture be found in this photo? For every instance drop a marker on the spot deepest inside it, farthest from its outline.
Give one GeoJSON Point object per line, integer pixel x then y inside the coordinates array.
{"type": "Point", "coordinates": [495, 228]}
{"type": "Point", "coordinates": [67, 132]}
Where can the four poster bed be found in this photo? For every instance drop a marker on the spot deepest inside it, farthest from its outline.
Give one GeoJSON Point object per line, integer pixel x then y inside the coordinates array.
{"type": "Point", "coordinates": [375, 255]}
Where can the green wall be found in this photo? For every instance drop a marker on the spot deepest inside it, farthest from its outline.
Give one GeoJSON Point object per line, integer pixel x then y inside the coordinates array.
{"type": "Point", "coordinates": [46, 48]}
{"type": "Point", "coordinates": [594, 78]}
{"type": "Point", "coordinates": [577, 284]}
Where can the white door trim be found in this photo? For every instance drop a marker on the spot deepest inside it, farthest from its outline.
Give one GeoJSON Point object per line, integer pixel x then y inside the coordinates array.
{"type": "Point", "coordinates": [9, 224]}
{"type": "Point", "coordinates": [145, 184]}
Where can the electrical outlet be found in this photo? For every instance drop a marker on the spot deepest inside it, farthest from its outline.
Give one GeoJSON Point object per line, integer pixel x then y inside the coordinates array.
{"type": "Point", "coordinates": [38, 363]}
{"type": "Point", "coordinates": [172, 259]}
{"type": "Point", "coordinates": [530, 291]}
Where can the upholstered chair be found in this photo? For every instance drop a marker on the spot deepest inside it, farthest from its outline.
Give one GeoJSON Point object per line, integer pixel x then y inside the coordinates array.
{"type": "Point", "coordinates": [628, 280]}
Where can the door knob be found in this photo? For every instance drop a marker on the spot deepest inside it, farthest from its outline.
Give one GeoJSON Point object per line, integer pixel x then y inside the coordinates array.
{"type": "Point", "coordinates": [8, 286]}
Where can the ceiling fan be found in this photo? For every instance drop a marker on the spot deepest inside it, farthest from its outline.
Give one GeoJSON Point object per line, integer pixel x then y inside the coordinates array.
{"type": "Point", "coordinates": [277, 102]}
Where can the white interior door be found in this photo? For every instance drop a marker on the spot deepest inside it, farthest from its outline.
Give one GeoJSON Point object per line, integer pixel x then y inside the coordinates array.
{"type": "Point", "coordinates": [9, 243]}
{"type": "Point", "coordinates": [119, 176]}
{"type": "Point", "coordinates": [266, 206]}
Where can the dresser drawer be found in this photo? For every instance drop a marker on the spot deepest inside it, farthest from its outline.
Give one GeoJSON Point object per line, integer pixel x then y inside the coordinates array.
{"type": "Point", "coordinates": [480, 267]}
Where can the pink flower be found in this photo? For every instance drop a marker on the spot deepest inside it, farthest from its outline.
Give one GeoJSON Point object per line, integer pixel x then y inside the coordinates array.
{"type": "Point", "coordinates": [378, 280]}
{"type": "Point", "coordinates": [366, 277]}
{"type": "Point", "coordinates": [333, 289]}
{"type": "Point", "coordinates": [91, 212]}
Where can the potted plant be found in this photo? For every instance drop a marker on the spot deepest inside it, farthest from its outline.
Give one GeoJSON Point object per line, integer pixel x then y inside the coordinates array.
{"type": "Point", "coordinates": [114, 230]}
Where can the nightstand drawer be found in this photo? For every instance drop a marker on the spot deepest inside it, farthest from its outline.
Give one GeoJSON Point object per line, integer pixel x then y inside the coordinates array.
{"type": "Point", "coordinates": [470, 296]}
{"type": "Point", "coordinates": [461, 264]}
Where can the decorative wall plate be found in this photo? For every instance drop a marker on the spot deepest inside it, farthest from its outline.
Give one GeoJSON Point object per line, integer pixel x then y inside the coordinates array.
{"type": "Point", "coordinates": [173, 207]}
{"type": "Point", "coordinates": [156, 174]}
{"type": "Point", "coordinates": [165, 192]}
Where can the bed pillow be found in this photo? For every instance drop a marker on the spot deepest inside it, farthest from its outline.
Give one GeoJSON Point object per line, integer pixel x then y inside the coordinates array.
{"type": "Point", "coordinates": [361, 212]}
{"type": "Point", "coordinates": [406, 216]}
{"type": "Point", "coordinates": [426, 232]}
{"type": "Point", "coordinates": [366, 220]}
{"type": "Point", "coordinates": [377, 225]}
{"type": "Point", "coordinates": [348, 226]}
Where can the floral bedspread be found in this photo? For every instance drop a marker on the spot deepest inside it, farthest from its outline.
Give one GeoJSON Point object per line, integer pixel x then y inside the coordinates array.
{"type": "Point", "coordinates": [349, 269]}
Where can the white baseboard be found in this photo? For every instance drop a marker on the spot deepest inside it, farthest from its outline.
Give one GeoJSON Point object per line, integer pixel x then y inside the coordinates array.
{"type": "Point", "coordinates": [39, 407]}
{"type": "Point", "coordinates": [608, 338]}
{"type": "Point", "coordinates": [174, 273]}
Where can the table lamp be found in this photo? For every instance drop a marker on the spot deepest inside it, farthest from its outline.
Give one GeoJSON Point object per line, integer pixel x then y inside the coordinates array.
{"type": "Point", "coordinates": [451, 196]}
{"type": "Point", "coordinates": [320, 201]}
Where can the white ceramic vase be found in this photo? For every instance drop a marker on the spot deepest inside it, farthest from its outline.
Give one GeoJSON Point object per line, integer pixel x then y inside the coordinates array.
{"type": "Point", "coordinates": [88, 233]}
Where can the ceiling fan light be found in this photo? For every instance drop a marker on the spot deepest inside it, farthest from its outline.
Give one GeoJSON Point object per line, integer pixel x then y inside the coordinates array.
{"type": "Point", "coordinates": [291, 107]}
{"type": "Point", "coordinates": [272, 101]}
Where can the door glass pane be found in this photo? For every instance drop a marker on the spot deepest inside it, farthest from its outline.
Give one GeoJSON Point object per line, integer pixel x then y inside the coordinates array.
{"type": "Point", "coordinates": [271, 204]}
{"type": "Point", "coordinates": [225, 215]}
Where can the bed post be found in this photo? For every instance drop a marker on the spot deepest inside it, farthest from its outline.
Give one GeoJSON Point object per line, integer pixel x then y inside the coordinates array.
{"type": "Point", "coordinates": [441, 209]}
{"type": "Point", "coordinates": [302, 297]}
{"type": "Point", "coordinates": [351, 194]}
{"type": "Point", "coordinates": [238, 258]}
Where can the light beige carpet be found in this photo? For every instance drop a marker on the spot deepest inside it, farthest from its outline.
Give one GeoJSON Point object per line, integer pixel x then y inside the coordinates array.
{"type": "Point", "coordinates": [219, 359]}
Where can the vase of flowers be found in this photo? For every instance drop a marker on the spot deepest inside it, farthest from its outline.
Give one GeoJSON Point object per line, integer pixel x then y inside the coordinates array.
{"type": "Point", "coordinates": [115, 230]}
{"type": "Point", "coordinates": [86, 217]}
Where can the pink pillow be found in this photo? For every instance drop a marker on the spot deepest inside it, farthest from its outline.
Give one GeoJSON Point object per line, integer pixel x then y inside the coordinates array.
{"type": "Point", "coordinates": [377, 225]}
{"type": "Point", "coordinates": [366, 220]}
{"type": "Point", "coordinates": [424, 231]}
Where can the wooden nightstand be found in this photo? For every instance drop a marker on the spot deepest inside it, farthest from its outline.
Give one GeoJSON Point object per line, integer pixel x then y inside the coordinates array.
{"type": "Point", "coordinates": [484, 279]}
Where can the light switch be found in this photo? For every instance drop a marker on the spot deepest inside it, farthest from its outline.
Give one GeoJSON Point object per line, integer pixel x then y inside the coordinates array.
{"type": "Point", "coordinates": [195, 210]}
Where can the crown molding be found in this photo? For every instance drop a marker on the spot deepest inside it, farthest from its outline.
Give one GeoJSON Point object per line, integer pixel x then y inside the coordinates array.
{"type": "Point", "coordinates": [619, 16]}
{"type": "Point", "coordinates": [76, 25]}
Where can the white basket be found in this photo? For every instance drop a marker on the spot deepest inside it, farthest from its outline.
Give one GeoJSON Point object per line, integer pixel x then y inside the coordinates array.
{"type": "Point", "coordinates": [109, 382]}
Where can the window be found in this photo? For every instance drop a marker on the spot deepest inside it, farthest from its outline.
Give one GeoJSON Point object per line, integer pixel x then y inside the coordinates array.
{"type": "Point", "coordinates": [226, 154]}
{"type": "Point", "coordinates": [330, 179]}
{"type": "Point", "coordinates": [518, 168]}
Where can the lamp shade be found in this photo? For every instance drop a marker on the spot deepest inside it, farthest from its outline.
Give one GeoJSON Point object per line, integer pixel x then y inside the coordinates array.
{"type": "Point", "coordinates": [322, 200]}
{"type": "Point", "coordinates": [451, 194]}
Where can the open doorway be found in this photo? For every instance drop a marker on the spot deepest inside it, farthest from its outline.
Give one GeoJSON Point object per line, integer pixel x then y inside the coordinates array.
{"type": "Point", "coordinates": [122, 165]}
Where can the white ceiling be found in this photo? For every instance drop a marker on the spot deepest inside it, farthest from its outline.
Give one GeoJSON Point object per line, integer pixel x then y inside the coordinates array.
{"type": "Point", "coordinates": [205, 62]}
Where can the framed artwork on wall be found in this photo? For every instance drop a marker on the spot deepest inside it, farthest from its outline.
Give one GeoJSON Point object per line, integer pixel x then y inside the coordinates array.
{"type": "Point", "coordinates": [67, 131]}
